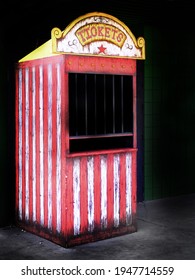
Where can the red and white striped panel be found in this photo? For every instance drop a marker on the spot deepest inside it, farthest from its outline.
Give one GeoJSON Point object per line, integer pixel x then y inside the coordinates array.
{"type": "Point", "coordinates": [101, 187]}
{"type": "Point", "coordinates": [38, 145]}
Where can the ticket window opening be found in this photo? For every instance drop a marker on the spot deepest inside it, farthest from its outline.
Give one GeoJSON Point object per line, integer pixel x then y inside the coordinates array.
{"type": "Point", "coordinates": [100, 112]}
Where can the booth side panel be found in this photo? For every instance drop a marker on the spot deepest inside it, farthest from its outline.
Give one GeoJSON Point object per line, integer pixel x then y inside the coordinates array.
{"type": "Point", "coordinates": [38, 147]}
{"type": "Point", "coordinates": [17, 144]}
{"type": "Point", "coordinates": [103, 196]}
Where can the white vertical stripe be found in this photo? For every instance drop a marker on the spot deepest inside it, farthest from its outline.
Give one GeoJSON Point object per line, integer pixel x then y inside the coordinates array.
{"type": "Point", "coordinates": [27, 144]}
{"type": "Point", "coordinates": [34, 142]}
{"type": "Point", "coordinates": [116, 190]}
{"type": "Point", "coordinates": [58, 170]}
{"type": "Point", "coordinates": [128, 187]}
{"type": "Point", "coordinates": [76, 195]}
{"type": "Point", "coordinates": [20, 144]}
{"type": "Point", "coordinates": [90, 180]}
{"type": "Point", "coordinates": [103, 168]}
{"type": "Point", "coordinates": [41, 146]}
{"type": "Point", "coordinates": [49, 146]}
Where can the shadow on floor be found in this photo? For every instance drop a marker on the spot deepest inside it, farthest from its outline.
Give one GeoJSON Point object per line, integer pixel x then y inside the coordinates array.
{"type": "Point", "coordinates": [166, 231]}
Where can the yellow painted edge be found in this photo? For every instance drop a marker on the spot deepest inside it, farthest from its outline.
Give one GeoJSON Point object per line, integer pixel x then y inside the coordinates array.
{"type": "Point", "coordinates": [44, 50]}
{"type": "Point", "coordinates": [56, 33]}
{"type": "Point", "coordinates": [141, 45]}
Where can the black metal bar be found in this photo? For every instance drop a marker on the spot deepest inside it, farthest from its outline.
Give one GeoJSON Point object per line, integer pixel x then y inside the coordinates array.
{"type": "Point", "coordinates": [101, 136]}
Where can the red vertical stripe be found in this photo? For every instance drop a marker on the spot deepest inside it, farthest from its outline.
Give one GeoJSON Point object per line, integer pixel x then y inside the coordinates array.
{"type": "Point", "coordinates": [65, 123]}
{"type": "Point", "coordinates": [64, 104]}
{"type": "Point", "coordinates": [45, 141]}
{"type": "Point", "coordinates": [110, 191]}
{"type": "Point", "coordinates": [97, 193]}
{"type": "Point", "coordinates": [122, 180]}
{"type": "Point", "coordinates": [69, 199]}
{"type": "Point", "coordinates": [134, 112]}
{"type": "Point", "coordinates": [83, 195]}
{"type": "Point", "coordinates": [17, 141]}
{"type": "Point", "coordinates": [37, 81]}
{"type": "Point", "coordinates": [30, 147]}
{"type": "Point", "coordinates": [134, 182]}
{"type": "Point", "coordinates": [23, 144]}
{"type": "Point", "coordinates": [54, 150]}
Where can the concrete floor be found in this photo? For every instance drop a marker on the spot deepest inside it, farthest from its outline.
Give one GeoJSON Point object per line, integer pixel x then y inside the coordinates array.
{"type": "Point", "coordinates": [166, 231]}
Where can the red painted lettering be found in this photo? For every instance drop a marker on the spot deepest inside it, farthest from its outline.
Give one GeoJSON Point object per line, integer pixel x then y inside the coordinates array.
{"type": "Point", "coordinates": [114, 32]}
{"type": "Point", "coordinates": [93, 31]}
{"type": "Point", "coordinates": [88, 33]}
{"type": "Point", "coordinates": [119, 37]}
{"type": "Point", "coordinates": [80, 33]}
{"type": "Point", "coordinates": [107, 32]}
{"type": "Point", "coordinates": [100, 31]}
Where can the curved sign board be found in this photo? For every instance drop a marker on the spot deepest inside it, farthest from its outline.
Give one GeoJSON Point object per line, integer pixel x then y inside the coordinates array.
{"type": "Point", "coordinates": [98, 34]}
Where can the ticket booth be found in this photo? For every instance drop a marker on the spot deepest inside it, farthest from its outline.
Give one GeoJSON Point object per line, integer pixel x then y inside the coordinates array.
{"type": "Point", "coordinates": [76, 141]}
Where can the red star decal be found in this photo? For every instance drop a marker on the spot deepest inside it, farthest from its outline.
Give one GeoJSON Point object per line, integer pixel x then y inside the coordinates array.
{"type": "Point", "coordinates": [101, 49]}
